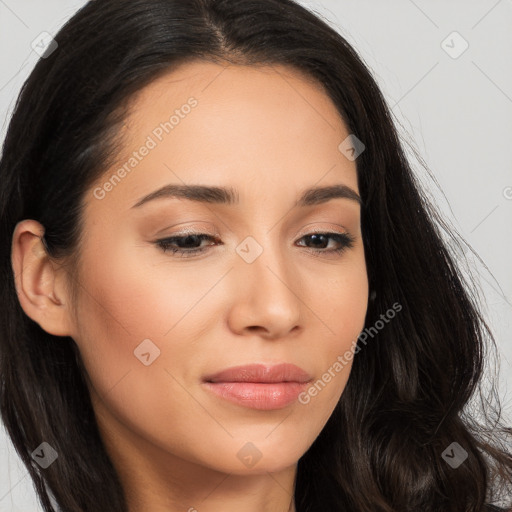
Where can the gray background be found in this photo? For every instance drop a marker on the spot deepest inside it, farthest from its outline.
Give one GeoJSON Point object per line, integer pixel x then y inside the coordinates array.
{"type": "Point", "coordinates": [456, 112]}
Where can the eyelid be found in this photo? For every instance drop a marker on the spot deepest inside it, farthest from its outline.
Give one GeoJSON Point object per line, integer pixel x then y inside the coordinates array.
{"type": "Point", "coordinates": [216, 236]}
{"type": "Point", "coordinates": [322, 229]}
{"type": "Point", "coordinates": [305, 230]}
{"type": "Point", "coordinates": [199, 226]}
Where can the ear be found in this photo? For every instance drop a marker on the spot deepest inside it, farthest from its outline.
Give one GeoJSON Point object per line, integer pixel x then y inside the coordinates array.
{"type": "Point", "coordinates": [39, 284]}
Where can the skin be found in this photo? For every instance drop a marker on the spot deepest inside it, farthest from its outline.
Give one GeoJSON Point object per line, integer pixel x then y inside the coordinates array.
{"type": "Point", "coordinates": [270, 133]}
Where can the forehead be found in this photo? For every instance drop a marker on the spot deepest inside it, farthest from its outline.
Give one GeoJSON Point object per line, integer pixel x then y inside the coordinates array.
{"type": "Point", "coordinates": [231, 125]}
{"type": "Point", "coordinates": [229, 82]}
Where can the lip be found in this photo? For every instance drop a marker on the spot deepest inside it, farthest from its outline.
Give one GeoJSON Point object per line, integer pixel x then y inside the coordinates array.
{"type": "Point", "coordinates": [259, 386]}
{"type": "Point", "coordinates": [284, 372]}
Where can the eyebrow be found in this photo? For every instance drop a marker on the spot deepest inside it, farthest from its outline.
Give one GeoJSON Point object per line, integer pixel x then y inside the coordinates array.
{"type": "Point", "coordinates": [229, 196]}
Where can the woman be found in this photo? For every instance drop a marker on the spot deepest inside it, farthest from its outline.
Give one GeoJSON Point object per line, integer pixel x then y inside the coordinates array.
{"type": "Point", "coordinates": [208, 225]}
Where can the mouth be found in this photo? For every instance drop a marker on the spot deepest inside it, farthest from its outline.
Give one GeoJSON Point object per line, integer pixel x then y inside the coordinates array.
{"type": "Point", "coordinates": [258, 386]}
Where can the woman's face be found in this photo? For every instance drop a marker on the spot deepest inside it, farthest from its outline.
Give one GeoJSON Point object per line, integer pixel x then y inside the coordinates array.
{"type": "Point", "coordinates": [152, 325]}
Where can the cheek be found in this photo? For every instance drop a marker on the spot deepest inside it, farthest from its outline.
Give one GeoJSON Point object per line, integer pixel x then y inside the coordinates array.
{"type": "Point", "coordinates": [121, 307]}
{"type": "Point", "coordinates": [142, 294]}
{"type": "Point", "coordinates": [126, 299]}
{"type": "Point", "coordinates": [342, 310]}
{"type": "Point", "coordinates": [344, 303]}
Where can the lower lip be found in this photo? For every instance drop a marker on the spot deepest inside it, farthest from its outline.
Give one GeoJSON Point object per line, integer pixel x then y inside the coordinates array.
{"type": "Point", "coordinates": [258, 395]}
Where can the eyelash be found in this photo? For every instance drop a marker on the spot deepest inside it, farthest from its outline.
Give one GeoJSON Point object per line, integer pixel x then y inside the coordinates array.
{"type": "Point", "coordinates": [345, 239]}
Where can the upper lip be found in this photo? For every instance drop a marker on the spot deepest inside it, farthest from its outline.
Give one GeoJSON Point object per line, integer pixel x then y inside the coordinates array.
{"type": "Point", "coordinates": [284, 372]}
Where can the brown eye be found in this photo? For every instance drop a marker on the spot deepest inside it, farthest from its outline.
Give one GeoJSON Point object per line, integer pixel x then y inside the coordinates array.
{"type": "Point", "coordinates": [184, 243]}
{"type": "Point", "coordinates": [344, 241]}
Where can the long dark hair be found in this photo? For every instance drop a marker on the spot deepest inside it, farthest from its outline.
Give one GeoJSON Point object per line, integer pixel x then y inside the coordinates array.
{"type": "Point", "coordinates": [407, 399]}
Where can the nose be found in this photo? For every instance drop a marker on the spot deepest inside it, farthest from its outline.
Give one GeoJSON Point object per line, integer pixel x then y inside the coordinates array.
{"type": "Point", "coordinates": [266, 299]}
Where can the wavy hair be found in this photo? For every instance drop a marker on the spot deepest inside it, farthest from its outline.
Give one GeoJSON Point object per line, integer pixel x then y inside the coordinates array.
{"type": "Point", "coordinates": [410, 389]}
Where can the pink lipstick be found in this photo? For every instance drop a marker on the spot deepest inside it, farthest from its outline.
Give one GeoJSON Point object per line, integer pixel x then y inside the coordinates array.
{"type": "Point", "coordinates": [259, 386]}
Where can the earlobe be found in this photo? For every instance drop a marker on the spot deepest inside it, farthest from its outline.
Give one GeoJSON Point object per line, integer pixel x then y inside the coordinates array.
{"type": "Point", "coordinates": [35, 279]}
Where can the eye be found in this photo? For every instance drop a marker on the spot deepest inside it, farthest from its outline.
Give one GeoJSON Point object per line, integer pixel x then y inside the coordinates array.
{"type": "Point", "coordinates": [190, 243]}
{"type": "Point", "coordinates": [344, 241]}
{"type": "Point", "coordinates": [184, 243]}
